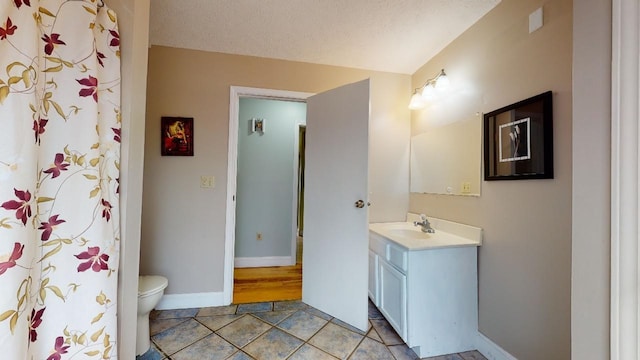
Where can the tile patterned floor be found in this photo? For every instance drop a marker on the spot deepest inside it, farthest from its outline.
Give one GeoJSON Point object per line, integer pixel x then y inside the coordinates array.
{"type": "Point", "coordinates": [273, 331]}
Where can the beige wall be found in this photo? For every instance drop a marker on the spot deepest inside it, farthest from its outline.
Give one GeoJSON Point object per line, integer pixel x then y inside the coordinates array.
{"type": "Point", "coordinates": [133, 21]}
{"type": "Point", "coordinates": [525, 260]}
{"type": "Point", "coordinates": [183, 225]}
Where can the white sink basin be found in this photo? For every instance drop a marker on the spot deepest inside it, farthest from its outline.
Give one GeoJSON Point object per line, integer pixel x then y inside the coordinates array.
{"type": "Point", "coordinates": [410, 233]}
{"type": "Point", "coordinates": [447, 234]}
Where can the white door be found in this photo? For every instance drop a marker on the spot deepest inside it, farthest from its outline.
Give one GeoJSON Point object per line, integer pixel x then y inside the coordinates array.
{"type": "Point", "coordinates": [335, 257]}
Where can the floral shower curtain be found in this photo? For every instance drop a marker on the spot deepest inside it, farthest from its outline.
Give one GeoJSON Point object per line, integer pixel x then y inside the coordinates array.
{"type": "Point", "coordinates": [59, 179]}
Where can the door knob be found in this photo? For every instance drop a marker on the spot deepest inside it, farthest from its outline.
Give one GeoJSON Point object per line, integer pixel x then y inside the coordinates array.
{"type": "Point", "coordinates": [360, 204]}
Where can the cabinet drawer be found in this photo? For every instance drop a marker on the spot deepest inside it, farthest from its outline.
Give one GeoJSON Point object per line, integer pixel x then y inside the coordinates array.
{"type": "Point", "coordinates": [397, 256]}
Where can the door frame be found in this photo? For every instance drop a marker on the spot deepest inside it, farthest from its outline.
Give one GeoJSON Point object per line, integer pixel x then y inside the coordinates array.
{"type": "Point", "coordinates": [235, 93]}
{"type": "Point", "coordinates": [625, 196]}
{"type": "Point", "coordinates": [300, 191]}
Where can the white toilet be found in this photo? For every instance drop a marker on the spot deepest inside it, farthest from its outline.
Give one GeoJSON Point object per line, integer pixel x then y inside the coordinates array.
{"type": "Point", "coordinates": [150, 291]}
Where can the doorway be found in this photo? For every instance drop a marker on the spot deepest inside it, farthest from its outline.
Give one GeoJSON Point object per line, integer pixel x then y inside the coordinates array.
{"type": "Point", "coordinates": [270, 166]}
{"type": "Point", "coordinates": [336, 178]}
{"type": "Point", "coordinates": [277, 283]}
{"type": "Point", "coordinates": [302, 141]}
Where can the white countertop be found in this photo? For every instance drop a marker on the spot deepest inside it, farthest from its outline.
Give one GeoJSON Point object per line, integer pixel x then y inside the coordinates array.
{"type": "Point", "coordinates": [411, 237]}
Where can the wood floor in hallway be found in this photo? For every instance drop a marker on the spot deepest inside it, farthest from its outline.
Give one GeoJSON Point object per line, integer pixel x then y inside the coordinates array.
{"type": "Point", "coordinates": [268, 283]}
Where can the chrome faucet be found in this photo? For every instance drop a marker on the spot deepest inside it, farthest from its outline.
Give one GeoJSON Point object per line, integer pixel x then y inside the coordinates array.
{"type": "Point", "coordinates": [425, 226]}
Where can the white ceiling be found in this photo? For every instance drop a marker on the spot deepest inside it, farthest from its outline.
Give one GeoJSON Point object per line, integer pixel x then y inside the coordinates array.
{"type": "Point", "coordinates": [385, 35]}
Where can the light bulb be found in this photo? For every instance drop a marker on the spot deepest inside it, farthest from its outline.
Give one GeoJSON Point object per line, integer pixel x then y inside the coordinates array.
{"type": "Point", "coordinates": [416, 102]}
{"type": "Point", "coordinates": [443, 81]}
{"type": "Point", "coordinates": [428, 92]}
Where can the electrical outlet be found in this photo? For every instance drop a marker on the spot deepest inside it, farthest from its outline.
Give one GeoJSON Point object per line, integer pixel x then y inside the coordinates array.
{"type": "Point", "coordinates": [466, 187]}
{"type": "Point", "coordinates": [258, 236]}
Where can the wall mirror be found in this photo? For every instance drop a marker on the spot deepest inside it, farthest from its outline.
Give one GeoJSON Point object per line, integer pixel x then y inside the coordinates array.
{"type": "Point", "coordinates": [446, 159]}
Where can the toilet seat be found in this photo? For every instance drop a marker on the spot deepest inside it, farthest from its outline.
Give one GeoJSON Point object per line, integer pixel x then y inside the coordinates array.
{"type": "Point", "coordinates": [151, 284]}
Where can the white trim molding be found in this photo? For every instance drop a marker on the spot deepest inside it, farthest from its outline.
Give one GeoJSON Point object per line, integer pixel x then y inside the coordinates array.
{"type": "Point", "coordinates": [625, 94]}
{"type": "Point", "coordinates": [264, 261]}
{"type": "Point", "coordinates": [491, 350]}
{"type": "Point", "coordinates": [189, 301]}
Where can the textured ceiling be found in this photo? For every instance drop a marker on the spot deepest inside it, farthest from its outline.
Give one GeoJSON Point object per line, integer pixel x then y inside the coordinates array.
{"type": "Point", "coordinates": [385, 35]}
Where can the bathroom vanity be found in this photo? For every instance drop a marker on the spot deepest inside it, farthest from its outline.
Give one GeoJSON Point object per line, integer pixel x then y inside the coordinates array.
{"type": "Point", "coordinates": [426, 285]}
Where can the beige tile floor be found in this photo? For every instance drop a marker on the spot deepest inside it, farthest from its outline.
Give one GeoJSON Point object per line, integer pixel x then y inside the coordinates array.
{"type": "Point", "coordinates": [273, 331]}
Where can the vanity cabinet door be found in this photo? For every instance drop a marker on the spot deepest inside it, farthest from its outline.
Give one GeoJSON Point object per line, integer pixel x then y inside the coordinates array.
{"type": "Point", "coordinates": [373, 277]}
{"type": "Point", "coordinates": [393, 297]}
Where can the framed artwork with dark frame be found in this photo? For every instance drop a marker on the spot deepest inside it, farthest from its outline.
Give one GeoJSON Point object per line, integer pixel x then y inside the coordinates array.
{"type": "Point", "coordinates": [257, 125]}
{"type": "Point", "coordinates": [176, 134]}
{"type": "Point", "coordinates": [518, 140]}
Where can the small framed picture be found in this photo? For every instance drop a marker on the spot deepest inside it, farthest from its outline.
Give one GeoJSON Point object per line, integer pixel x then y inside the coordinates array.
{"type": "Point", "coordinates": [257, 125]}
{"type": "Point", "coordinates": [518, 140]}
{"type": "Point", "coordinates": [176, 136]}
{"type": "Point", "coordinates": [515, 140]}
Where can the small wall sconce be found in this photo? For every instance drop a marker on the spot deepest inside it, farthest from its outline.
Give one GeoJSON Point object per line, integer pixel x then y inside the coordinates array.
{"type": "Point", "coordinates": [428, 90]}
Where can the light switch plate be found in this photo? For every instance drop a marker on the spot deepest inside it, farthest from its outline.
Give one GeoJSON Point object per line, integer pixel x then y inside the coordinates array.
{"type": "Point", "coordinates": [207, 181]}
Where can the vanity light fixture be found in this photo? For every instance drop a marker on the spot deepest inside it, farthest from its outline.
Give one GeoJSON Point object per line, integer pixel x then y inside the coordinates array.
{"type": "Point", "coordinates": [428, 90]}
{"type": "Point", "coordinates": [417, 101]}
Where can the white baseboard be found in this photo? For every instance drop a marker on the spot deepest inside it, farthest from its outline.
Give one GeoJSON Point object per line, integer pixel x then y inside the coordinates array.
{"type": "Point", "coordinates": [491, 350]}
{"type": "Point", "coordinates": [245, 262]}
{"type": "Point", "coordinates": [188, 301]}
